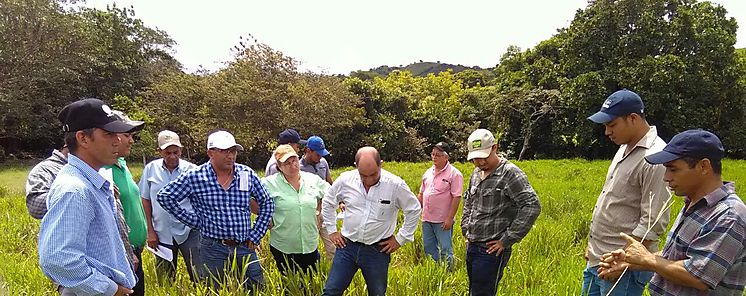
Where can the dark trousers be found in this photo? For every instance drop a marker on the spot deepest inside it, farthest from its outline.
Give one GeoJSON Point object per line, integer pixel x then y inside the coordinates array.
{"type": "Point", "coordinates": [368, 258]}
{"type": "Point", "coordinates": [484, 270]}
{"type": "Point", "coordinates": [295, 262]}
{"type": "Point", "coordinates": [139, 288]}
{"type": "Point", "coordinates": [189, 250]}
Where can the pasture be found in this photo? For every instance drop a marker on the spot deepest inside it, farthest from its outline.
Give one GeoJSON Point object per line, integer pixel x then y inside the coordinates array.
{"type": "Point", "coordinates": [549, 261]}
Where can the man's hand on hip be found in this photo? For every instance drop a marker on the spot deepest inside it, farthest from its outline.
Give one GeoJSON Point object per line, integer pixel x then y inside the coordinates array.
{"type": "Point", "coordinates": [390, 245]}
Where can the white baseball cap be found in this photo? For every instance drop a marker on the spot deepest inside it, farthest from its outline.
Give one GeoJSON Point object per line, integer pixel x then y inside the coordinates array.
{"type": "Point", "coordinates": [167, 138]}
{"type": "Point", "coordinates": [222, 140]}
{"type": "Point", "coordinates": [480, 144]}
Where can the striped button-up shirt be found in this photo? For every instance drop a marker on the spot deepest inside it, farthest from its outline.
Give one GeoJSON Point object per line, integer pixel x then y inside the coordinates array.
{"type": "Point", "coordinates": [709, 237]}
{"type": "Point", "coordinates": [633, 195]}
{"type": "Point", "coordinates": [79, 243]}
{"type": "Point", "coordinates": [502, 207]}
{"type": "Point", "coordinates": [155, 176]}
{"type": "Point", "coordinates": [219, 213]}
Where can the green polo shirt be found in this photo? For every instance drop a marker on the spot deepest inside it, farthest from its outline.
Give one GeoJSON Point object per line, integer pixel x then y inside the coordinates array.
{"type": "Point", "coordinates": [294, 229]}
{"type": "Point", "coordinates": [129, 194]}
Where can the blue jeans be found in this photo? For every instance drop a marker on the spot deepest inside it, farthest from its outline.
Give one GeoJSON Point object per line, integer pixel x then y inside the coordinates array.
{"type": "Point", "coordinates": [368, 258]}
{"type": "Point", "coordinates": [484, 270]}
{"type": "Point", "coordinates": [632, 283]}
{"type": "Point", "coordinates": [217, 259]}
{"type": "Point", "coordinates": [437, 242]}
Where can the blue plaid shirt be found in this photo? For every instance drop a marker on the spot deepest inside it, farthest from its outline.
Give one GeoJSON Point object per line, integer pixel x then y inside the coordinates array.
{"type": "Point", "coordinates": [218, 213]}
{"type": "Point", "coordinates": [79, 243]}
{"type": "Point", "coordinates": [709, 237]}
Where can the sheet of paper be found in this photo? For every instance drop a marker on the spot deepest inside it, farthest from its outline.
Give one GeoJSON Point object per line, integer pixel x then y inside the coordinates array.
{"type": "Point", "coordinates": [162, 252]}
{"type": "Point", "coordinates": [243, 181]}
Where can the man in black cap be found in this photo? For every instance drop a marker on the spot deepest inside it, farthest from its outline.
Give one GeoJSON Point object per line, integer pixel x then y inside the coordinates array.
{"type": "Point", "coordinates": [290, 137]}
{"type": "Point", "coordinates": [79, 241]}
{"type": "Point", "coordinates": [440, 195]}
{"type": "Point", "coordinates": [705, 252]}
{"type": "Point", "coordinates": [632, 197]}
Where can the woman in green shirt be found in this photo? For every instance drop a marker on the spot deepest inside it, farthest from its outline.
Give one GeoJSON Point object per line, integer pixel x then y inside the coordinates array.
{"type": "Point", "coordinates": [294, 236]}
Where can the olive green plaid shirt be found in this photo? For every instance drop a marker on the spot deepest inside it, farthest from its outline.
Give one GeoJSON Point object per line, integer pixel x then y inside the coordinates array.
{"type": "Point", "coordinates": [503, 206]}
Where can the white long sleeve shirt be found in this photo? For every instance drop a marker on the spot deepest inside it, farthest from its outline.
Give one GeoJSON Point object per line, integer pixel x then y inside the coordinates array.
{"type": "Point", "coordinates": [371, 216]}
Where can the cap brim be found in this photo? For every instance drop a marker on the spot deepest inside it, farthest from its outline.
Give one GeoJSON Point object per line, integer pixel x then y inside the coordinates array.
{"type": "Point", "coordinates": [165, 145]}
{"type": "Point", "coordinates": [286, 156]}
{"type": "Point", "coordinates": [484, 153]}
{"type": "Point", "coordinates": [322, 152]}
{"type": "Point", "coordinates": [661, 157]}
{"type": "Point", "coordinates": [229, 147]}
{"type": "Point", "coordinates": [601, 117]}
{"type": "Point", "coordinates": [118, 127]}
{"type": "Point", "coordinates": [303, 142]}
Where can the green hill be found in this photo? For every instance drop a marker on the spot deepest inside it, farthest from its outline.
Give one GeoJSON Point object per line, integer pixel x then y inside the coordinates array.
{"type": "Point", "coordinates": [417, 69]}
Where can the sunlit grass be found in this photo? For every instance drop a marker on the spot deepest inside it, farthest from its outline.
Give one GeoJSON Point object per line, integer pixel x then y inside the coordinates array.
{"type": "Point", "coordinates": [547, 262]}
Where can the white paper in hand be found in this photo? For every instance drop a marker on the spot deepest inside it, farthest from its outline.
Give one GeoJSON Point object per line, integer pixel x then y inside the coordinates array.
{"type": "Point", "coordinates": [162, 252]}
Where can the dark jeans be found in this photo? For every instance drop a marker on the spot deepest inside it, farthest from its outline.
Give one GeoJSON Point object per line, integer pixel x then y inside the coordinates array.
{"type": "Point", "coordinates": [189, 250]}
{"type": "Point", "coordinates": [139, 288]}
{"type": "Point", "coordinates": [217, 260]}
{"type": "Point", "coordinates": [484, 270]}
{"type": "Point", "coordinates": [295, 262]}
{"type": "Point", "coordinates": [368, 258]}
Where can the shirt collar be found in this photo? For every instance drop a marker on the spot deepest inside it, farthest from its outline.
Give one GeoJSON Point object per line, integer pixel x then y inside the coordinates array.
{"type": "Point", "coordinates": [648, 140]}
{"type": "Point", "coordinates": [93, 176]}
{"type": "Point", "coordinates": [716, 196]}
{"type": "Point", "coordinates": [178, 165]}
{"type": "Point", "coordinates": [445, 167]}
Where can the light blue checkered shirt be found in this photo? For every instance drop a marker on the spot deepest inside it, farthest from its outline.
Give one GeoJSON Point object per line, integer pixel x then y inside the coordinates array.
{"type": "Point", "coordinates": [218, 213]}
{"type": "Point", "coordinates": [79, 243]}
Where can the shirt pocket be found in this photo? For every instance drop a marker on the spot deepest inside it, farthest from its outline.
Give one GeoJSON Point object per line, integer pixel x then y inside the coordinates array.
{"type": "Point", "coordinates": [626, 185]}
{"type": "Point", "coordinates": [383, 209]}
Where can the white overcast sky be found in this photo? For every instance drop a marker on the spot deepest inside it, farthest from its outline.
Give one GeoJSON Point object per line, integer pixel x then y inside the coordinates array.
{"type": "Point", "coordinates": [337, 36]}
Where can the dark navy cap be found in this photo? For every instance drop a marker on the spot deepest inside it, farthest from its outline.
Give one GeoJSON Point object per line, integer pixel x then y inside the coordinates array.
{"type": "Point", "coordinates": [443, 146]}
{"type": "Point", "coordinates": [92, 113]}
{"type": "Point", "coordinates": [289, 136]}
{"type": "Point", "coordinates": [692, 143]}
{"type": "Point", "coordinates": [316, 144]}
{"type": "Point", "coordinates": [620, 103]}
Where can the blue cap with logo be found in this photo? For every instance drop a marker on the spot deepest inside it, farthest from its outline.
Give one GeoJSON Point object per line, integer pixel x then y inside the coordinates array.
{"type": "Point", "coordinates": [620, 103]}
{"type": "Point", "coordinates": [694, 143]}
{"type": "Point", "coordinates": [316, 144]}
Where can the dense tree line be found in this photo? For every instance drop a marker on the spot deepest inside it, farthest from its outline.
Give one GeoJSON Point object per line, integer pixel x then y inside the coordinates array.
{"type": "Point", "coordinates": [678, 55]}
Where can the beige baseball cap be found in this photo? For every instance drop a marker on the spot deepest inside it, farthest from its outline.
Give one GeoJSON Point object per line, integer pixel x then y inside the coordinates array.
{"type": "Point", "coordinates": [480, 144]}
{"type": "Point", "coordinates": [283, 152]}
{"type": "Point", "coordinates": [167, 138]}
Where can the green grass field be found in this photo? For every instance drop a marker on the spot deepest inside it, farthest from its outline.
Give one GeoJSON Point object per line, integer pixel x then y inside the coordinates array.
{"type": "Point", "coordinates": [547, 262]}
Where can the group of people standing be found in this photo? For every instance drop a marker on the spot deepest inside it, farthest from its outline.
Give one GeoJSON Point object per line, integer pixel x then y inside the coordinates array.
{"type": "Point", "coordinates": [96, 220]}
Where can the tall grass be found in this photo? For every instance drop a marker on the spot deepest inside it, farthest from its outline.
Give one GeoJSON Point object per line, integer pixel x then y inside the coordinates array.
{"type": "Point", "coordinates": [549, 261]}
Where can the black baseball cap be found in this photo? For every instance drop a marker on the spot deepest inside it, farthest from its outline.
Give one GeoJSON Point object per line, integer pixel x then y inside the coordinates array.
{"type": "Point", "coordinates": [91, 113]}
{"type": "Point", "coordinates": [289, 136]}
{"type": "Point", "coordinates": [694, 143]}
{"type": "Point", "coordinates": [620, 103]}
{"type": "Point", "coordinates": [443, 146]}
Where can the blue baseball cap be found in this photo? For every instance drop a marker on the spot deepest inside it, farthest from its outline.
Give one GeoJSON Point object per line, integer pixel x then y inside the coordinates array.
{"type": "Point", "coordinates": [620, 103]}
{"type": "Point", "coordinates": [316, 144]}
{"type": "Point", "coordinates": [289, 136]}
{"type": "Point", "coordinates": [692, 143]}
